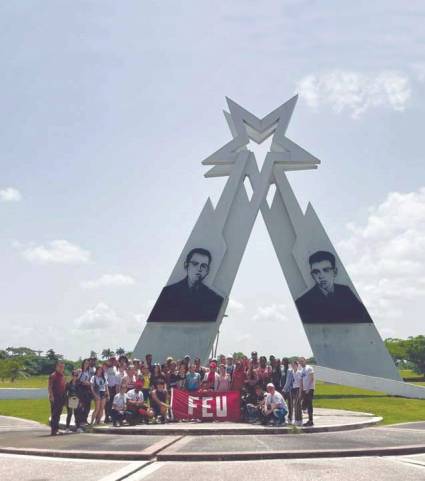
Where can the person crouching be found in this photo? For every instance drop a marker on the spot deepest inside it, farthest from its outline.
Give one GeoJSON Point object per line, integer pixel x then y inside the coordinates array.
{"type": "Point", "coordinates": [160, 403]}
{"type": "Point", "coordinates": [137, 409]}
{"type": "Point", "coordinates": [275, 407]}
{"type": "Point", "coordinates": [119, 406]}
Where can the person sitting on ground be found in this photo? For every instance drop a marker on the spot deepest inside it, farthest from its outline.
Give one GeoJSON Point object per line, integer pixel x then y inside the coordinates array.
{"type": "Point", "coordinates": [275, 407]}
{"type": "Point", "coordinates": [119, 406]}
{"type": "Point", "coordinates": [224, 382]}
{"type": "Point", "coordinates": [137, 409]}
{"type": "Point", "coordinates": [193, 379]}
{"type": "Point", "coordinates": [72, 401]}
{"type": "Point", "coordinates": [211, 377]}
{"type": "Point", "coordinates": [99, 387]}
{"type": "Point", "coordinates": [254, 403]}
{"type": "Point", "coordinates": [160, 402]}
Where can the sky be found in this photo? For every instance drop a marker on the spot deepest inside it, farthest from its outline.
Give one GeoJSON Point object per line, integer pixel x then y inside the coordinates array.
{"type": "Point", "coordinates": [108, 109]}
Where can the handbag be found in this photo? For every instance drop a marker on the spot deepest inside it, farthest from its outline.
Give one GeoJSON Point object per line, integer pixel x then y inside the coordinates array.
{"type": "Point", "coordinates": [73, 402]}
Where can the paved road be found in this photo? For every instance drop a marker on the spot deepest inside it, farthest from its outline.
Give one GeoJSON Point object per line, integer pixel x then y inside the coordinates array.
{"type": "Point", "coordinates": [23, 393]}
{"type": "Point", "coordinates": [33, 468]}
{"type": "Point", "coordinates": [28, 468]}
{"type": "Point", "coordinates": [359, 439]}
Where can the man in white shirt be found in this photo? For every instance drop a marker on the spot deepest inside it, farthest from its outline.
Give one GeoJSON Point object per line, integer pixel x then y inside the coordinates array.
{"type": "Point", "coordinates": [275, 406]}
{"type": "Point", "coordinates": [136, 407]}
{"type": "Point", "coordinates": [114, 381]}
{"type": "Point", "coordinates": [308, 383]}
{"type": "Point", "coordinates": [119, 406]}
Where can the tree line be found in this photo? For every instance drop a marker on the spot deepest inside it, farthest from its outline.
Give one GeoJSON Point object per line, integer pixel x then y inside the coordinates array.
{"type": "Point", "coordinates": [23, 362]}
{"type": "Point", "coordinates": [408, 353]}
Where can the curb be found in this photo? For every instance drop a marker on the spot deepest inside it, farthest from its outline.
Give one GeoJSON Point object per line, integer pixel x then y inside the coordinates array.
{"type": "Point", "coordinates": [259, 430]}
{"type": "Point", "coordinates": [325, 453]}
{"type": "Point", "coordinates": [145, 455]}
{"type": "Point", "coordinates": [113, 455]}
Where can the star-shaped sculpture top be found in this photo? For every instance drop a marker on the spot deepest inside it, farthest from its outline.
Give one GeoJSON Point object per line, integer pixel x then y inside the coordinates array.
{"type": "Point", "coordinates": [245, 126]}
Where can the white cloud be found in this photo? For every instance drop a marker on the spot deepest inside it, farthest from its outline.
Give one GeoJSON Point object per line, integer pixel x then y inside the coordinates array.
{"type": "Point", "coordinates": [387, 261]}
{"type": "Point", "coordinates": [10, 194]}
{"type": "Point", "coordinates": [56, 252]}
{"type": "Point", "coordinates": [235, 306]}
{"type": "Point", "coordinates": [99, 317]}
{"type": "Point", "coordinates": [354, 91]}
{"type": "Point", "coordinates": [273, 312]}
{"type": "Point", "coordinates": [419, 71]}
{"type": "Point", "coordinates": [109, 280]}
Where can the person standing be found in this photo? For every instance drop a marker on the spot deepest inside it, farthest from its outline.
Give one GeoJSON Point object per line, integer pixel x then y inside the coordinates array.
{"type": "Point", "coordinates": [56, 390]}
{"type": "Point", "coordinates": [296, 393]}
{"type": "Point", "coordinates": [307, 388]}
{"type": "Point", "coordinates": [224, 381]}
{"type": "Point", "coordinates": [72, 402]}
{"type": "Point", "coordinates": [85, 393]}
{"type": "Point", "coordinates": [99, 387]}
{"type": "Point", "coordinates": [193, 379]}
{"type": "Point", "coordinates": [114, 381]}
{"type": "Point", "coordinates": [287, 388]}
{"type": "Point", "coordinates": [211, 377]}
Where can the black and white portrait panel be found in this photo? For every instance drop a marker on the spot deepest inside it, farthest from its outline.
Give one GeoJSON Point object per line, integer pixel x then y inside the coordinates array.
{"type": "Point", "coordinates": [189, 300]}
{"type": "Point", "coordinates": [327, 301]}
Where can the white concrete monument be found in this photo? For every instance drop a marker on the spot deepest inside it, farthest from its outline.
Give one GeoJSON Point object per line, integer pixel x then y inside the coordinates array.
{"type": "Point", "coordinates": [188, 313]}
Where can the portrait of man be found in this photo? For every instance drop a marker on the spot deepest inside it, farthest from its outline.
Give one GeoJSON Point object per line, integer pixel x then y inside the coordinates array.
{"type": "Point", "coordinates": [189, 299]}
{"type": "Point", "coordinates": [327, 301]}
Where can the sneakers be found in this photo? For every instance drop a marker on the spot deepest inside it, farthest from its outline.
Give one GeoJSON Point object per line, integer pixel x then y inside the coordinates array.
{"type": "Point", "coordinates": [80, 430]}
{"type": "Point", "coordinates": [308, 423]}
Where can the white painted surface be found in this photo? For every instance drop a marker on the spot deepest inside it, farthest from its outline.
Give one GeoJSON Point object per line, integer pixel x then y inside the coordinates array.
{"type": "Point", "coordinates": [371, 383]}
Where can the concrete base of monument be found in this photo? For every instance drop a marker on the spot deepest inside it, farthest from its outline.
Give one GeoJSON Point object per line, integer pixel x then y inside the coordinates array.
{"type": "Point", "coordinates": [193, 338]}
{"type": "Point", "coordinates": [325, 420]}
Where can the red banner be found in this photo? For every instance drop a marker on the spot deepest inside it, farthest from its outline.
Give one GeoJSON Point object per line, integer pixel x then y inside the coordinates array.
{"type": "Point", "coordinates": [207, 406]}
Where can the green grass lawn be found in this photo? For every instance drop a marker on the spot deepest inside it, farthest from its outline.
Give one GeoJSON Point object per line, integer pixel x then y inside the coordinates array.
{"type": "Point", "coordinates": [36, 409]}
{"type": "Point", "coordinates": [393, 409]}
{"type": "Point", "coordinates": [33, 381]}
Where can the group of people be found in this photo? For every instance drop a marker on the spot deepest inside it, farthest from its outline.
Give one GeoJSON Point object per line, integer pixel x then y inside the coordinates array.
{"type": "Point", "coordinates": [132, 390]}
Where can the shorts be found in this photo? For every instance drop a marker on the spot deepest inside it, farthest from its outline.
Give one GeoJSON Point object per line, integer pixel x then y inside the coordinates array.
{"type": "Point", "coordinates": [102, 394]}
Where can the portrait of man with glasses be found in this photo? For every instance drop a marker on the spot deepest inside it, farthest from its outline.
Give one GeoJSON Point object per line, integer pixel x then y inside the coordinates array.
{"type": "Point", "coordinates": [189, 300]}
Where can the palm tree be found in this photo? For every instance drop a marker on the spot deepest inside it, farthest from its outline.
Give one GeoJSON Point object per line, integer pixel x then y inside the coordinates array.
{"type": "Point", "coordinates": [107, 353]}
{"type": "Point", "coordinates": [120, 351]}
